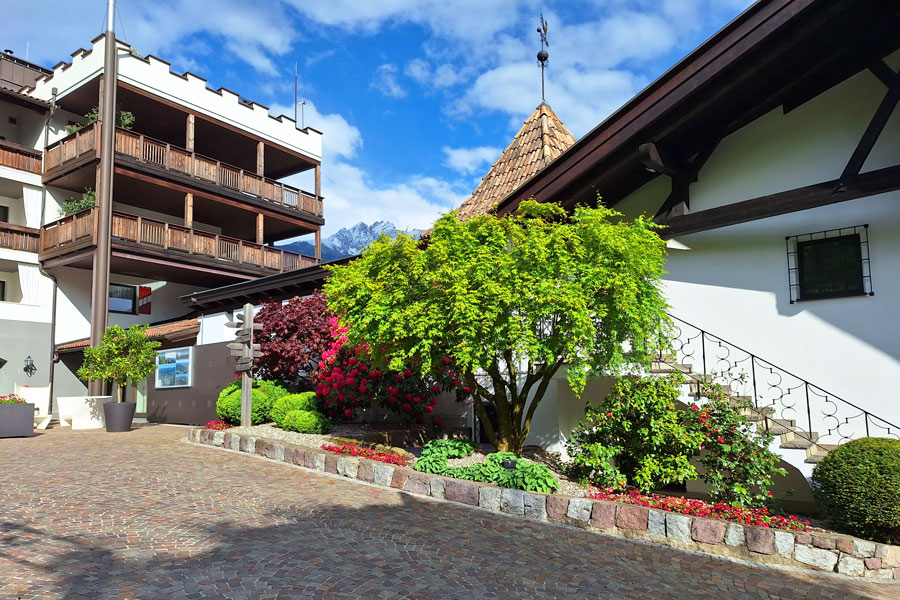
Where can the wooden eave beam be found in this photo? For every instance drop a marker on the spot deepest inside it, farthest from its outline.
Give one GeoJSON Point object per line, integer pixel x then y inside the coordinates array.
{"type": "Point", "coordinates": [812, 196]}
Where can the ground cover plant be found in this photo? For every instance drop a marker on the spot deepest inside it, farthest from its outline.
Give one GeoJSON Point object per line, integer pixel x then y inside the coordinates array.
{"type": "Point", "coordinates": [294, 337]}
{"type": "Point", "coordinates": [858, 486]}
{"type": "Point", "coordinates": [217, 425]}
{"type": "Point", "coordinates": [508, 301]}
{"type": "Point", "coordinates": [353, 449]}
{"type": "Point", "coordinates": [760, 517]}
{"type": "Point", "coordinates": [525, 475]}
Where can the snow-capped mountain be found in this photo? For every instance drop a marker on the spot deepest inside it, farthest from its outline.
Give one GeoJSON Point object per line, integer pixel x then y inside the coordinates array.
{"type": "Point", "coordinates": [347, 242]}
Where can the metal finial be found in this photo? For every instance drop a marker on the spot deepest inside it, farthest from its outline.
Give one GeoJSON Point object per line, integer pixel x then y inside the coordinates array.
{"type": "Point", "coordinates": [543, 56]}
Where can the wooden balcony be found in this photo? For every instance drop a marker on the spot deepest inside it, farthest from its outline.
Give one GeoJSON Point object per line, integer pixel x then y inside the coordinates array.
{"type": "Point", "coordinates": [17, 237]}
{"type": "Point", "coordinates": [20, 157]}
{"type": "Point", "coordinates": [171, 241]}
{"type": "Point", "coordinates": [146, 150]}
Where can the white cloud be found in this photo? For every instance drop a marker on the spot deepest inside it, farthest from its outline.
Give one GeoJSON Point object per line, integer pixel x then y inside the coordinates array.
{"type": "Point", "coordinates": [385, 81]}
{"type": "Point", "coordinates": [340, 139]}
{"type": "Point", "coordinates": [419, 70]}
{"type": "Point", "coordinates": [470, 161]}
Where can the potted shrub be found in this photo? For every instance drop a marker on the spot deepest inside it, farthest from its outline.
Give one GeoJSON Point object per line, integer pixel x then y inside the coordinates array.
{"type": "Point", "coordinates": [16, 417]}
{"type": "Point", "coordinates": [123, 355]}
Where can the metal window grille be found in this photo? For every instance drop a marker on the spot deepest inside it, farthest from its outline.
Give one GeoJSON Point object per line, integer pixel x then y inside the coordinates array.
{"type": "Point", "coordinates": [829, 264]}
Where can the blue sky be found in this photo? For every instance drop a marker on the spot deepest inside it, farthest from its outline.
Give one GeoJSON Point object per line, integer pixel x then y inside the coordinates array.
{"type": "Point", "coordinates": [416, 97]}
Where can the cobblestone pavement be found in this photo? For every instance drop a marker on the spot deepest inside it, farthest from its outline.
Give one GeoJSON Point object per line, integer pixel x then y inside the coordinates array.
{"type": "Point", "coordinates": [142, 515]}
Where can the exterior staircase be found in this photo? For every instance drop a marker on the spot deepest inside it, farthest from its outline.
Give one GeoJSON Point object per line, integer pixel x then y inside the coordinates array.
{"type": "Point", "coordinates": [807, 421]}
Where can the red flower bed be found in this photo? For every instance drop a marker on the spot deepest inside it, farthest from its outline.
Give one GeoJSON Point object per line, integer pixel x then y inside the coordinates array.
{"type": "Point", "coordinates": [698, 508]}
{"type": "Point", "coordinates": [354, 450]}
{"type": "Point", "coordinates": [217, 425]}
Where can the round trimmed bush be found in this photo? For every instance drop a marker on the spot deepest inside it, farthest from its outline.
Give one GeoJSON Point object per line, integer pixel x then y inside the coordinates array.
{"type": "Point", "coordinates": [285, 404]}
{"type": "Point", "coordinates": [228, 407]}
{"type": "Point", "coordinates": [306, 421]}
{"type": "Point", "coordinates": [858, 487]}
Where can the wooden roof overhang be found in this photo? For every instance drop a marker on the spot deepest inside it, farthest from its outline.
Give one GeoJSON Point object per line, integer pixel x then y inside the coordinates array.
{"type": "Point", "coordinates": [776, 53]}
{"type": "Point", "coordinates": [281, 286]}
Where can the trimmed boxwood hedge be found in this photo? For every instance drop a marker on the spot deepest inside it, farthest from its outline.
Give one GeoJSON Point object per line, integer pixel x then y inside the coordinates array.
{"type": "Point", "coordinates": [858, 487]}
{"type": "Point", "coordinates": [265, 394]}
{"type": "Point", "coordinates": [285, 404]}
{"type": "Point", "coordinates": [306, 421]}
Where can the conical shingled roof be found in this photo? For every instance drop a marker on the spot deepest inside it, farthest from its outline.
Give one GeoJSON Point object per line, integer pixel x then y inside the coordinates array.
{"type": "Point", "coordinates": [541, 139]}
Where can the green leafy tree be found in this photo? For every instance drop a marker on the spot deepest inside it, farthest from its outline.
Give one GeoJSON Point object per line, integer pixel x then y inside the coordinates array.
{"type": "Point", "coordinates": [123, 355]}
{"type": "Point", "coordinates": [512, 301]}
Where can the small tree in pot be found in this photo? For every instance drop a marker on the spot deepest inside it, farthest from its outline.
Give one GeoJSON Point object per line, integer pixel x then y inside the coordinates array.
{"type": "Point", "coordinates": [123, 355]}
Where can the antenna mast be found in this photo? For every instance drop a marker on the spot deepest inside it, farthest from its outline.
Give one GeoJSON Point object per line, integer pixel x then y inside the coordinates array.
{"type": "Point", "coordinates": [543, 56]}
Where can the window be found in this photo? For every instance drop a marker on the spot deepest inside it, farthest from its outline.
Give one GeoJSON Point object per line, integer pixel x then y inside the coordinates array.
{"type": "Point", "coordinates": [122, 299]}
{"type": "Point", "coordinates": [2, 291]}
{"type": "Point", "coordinates": [829, 264]}
{"type": "Point", "coordinates": [4, 214]}
{"type": "Point", "coordinates": [173, 368]}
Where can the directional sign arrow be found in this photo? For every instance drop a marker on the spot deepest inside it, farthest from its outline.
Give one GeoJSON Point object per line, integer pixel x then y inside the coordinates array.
{"type": "Point", "coordinates": [257, 326]}
{"type": "Point", "coordinates": [257, 354]}
{"type": "Point", "coordinates": [234, 324]}
{"type": "Point", "coordinates": [234, 346]}
{"type": "Point", "coordinates": [244, 360]}
{"type": "Point", "coordinates": [240, 368]}
{"type": "Point", "coordinates": [254, 347]}
{"type": "Point", "coordinates": [243, 337]}
{"type": "Point", "coordinates": [237, 353]}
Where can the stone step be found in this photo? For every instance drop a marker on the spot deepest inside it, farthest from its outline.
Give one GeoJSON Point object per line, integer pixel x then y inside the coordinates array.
{"type": "Point", "coordinates": [817, 452]}
{"type": "Point", "coordinates": [670, 367]}
{"type": "Point", "coordinates": [776, 426]}
{"type": "Point", "coordinates": [757, 415]}
{"type": "Point", "coordinates": [798, 439]}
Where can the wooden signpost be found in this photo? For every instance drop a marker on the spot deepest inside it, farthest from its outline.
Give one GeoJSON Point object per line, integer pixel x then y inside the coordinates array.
{"type": "Point", "coordinates": [244, 348]}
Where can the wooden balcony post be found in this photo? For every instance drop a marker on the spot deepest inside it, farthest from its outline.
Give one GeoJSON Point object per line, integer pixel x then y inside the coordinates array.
{"type": "Point", "coordinates": [189, 134]}
{"type": "Point", "coordinates": [168, 155]}
{"type": "Point", "coordinates": [139, 236]}
{"type": "Point", "coordinates": [318, 181]}
{"type": "Point", "coordinates": [219, 172]}
{"type": "Point", "coordinates": [260, 156]}
{"type": "Point", "coordinates": [259, 228]}
{"type": "Point", "coordinates": [218, 249]}
{"type": "Point", "coordinates": [318, 244]}
{"type": "Point", "coordinates": [188, 210]}
{"type": "Point", "coordinates": [240, 252]}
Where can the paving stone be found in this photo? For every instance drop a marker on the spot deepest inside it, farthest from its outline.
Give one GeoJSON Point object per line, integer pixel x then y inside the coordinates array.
{"type": "Point", "coordinates": [535, 506]}
{"type": "Point", "coordinates": [248, 444]}
{"type": "Point", "coordinates": [218, 438]}
{"type": "Point", "coordinates": [464, 492]}
{"type": "Point", "coordinates": [399, 478]}
{"type": "Point", "coordinates": [265, 448]}
{"type": "Point", "coordinates": [872, 563]}
{"type": "Point", "coordinates": [512, 502]}
{"type": "Point", "coordinates": [418, 483]}
{"type": "Point", "coordinates": [235, 441]}
{"type": "Point", "coordinates": [678, 527]}
{"type": "Point", "coordinates": [580, 509]}
{"type": "Point", "coordinates": [384, 475]}
{"type": "Point", "coordinates": [784, 543]}
{"type": "Point", "coordinates": [557, 506]}
{"type": "Point", "coordinates": [279, 452]}
{"type": "Point", "coordinates": [759, 540]}
{"type": "Point", "coordinates": [489, 498]}
{"type": "Point", "coordinates": [319, 461]}
{"type": "Point", "coordinates": [348, 466]}
{"type": "Point", "coordinates": [734, 534]}
{"type": "Point", "coordinates": [849, 565]}
{"type": "Point", "coordinates": [437, 487]}
{"type": "Point", "coordinates": [141, 515]}
{"type": "Point", "coordinates": [331, 463]}
{"type": "Point", "coordinates": [366, 471]}
{"type": "Point", "coordinates": [656, 524]}
{"type": "Point", "coordinates": [708, 531]}
{"type": "Point", "coordinates": [630, 516]}
{"type": "Point", "coordinates": [603, 515]}
{"type": "Point", "coordinates": [205, 436]}
{"type": "Point", "coordinates": [819, 558]}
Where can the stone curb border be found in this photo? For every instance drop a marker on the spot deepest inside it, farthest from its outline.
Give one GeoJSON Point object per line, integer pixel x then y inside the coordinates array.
{"type": "Point", "coordinates": [829, 552]}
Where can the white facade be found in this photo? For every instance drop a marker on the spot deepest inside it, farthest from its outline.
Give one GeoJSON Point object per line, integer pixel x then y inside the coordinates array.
{"type": "Point", "coordinates": [733, 282]}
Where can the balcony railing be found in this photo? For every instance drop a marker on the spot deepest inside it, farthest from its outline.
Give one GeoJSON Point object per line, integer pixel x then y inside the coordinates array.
{"type": "Point", "coordinates": [20, 157]}
{"type": "Point", "coordinates": [70, 233]}
{"type": "Point", "coordinates": [17, 237]}
{"type": "Point", "coordinates": [150, 151]}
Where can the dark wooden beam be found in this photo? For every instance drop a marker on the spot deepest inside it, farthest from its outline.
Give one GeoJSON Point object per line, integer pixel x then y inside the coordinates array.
{"type": "Point", "coordinates": [679, 201]}
{"type": "Point", "coordinates": [653, 160]}
{"type": "Point", "coordinates": [811, 196]}
{"type": "Point", "coordinates": [871, 134]}
{"type": "Point", "coordinates": [883, 72]}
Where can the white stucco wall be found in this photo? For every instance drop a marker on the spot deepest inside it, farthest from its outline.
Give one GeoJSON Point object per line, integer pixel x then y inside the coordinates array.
{"type": "Point", "coordinates": [27, 130]}
{"type": "Point", "coordinates": [733, 281]}
{"type": "Point", "coordinates": [74, 301]}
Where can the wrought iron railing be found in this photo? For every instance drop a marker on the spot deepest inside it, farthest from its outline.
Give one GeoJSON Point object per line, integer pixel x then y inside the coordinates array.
{"type": "Point", "coordinates": [819, 416]}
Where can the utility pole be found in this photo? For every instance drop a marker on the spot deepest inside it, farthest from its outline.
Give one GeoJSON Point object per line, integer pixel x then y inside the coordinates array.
{"type": "Point", "coordinates": [100, 272]}
{"type": "Point", "coordinates": [244, 348]}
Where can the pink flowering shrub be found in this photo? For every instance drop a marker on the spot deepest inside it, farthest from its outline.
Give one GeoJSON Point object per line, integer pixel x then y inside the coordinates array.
{"type": "Point", "coordinates": [350, 379]}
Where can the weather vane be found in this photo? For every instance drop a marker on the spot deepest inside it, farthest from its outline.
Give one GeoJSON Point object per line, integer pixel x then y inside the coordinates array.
{"type": "Point", "coordinates": [543, 56]}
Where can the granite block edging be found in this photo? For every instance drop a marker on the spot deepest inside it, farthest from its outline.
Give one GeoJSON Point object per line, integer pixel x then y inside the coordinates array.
{"type": "Point", "coordinates": [830, 552]}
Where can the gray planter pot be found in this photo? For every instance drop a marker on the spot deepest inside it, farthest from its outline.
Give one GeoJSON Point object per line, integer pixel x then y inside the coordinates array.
{"type": "Point", "coordinates": [118, 415]}
{"type": "Point", "coordinates": [16, 420]}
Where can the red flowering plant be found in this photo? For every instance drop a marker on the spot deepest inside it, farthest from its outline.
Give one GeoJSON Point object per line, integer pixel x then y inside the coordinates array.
{"type": "Point", "coordinates": [353, 378]}
{"type": "Point", "coordinates": [738, 466]}
{"type": "Point", "coordinates": [698, 508]}
{"type": "Point", "coordinates": [391, 458]}
{"type": "Point", "coordinates": [217, 425]}
{"type": "Point", "coordinates": [12, 399]}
